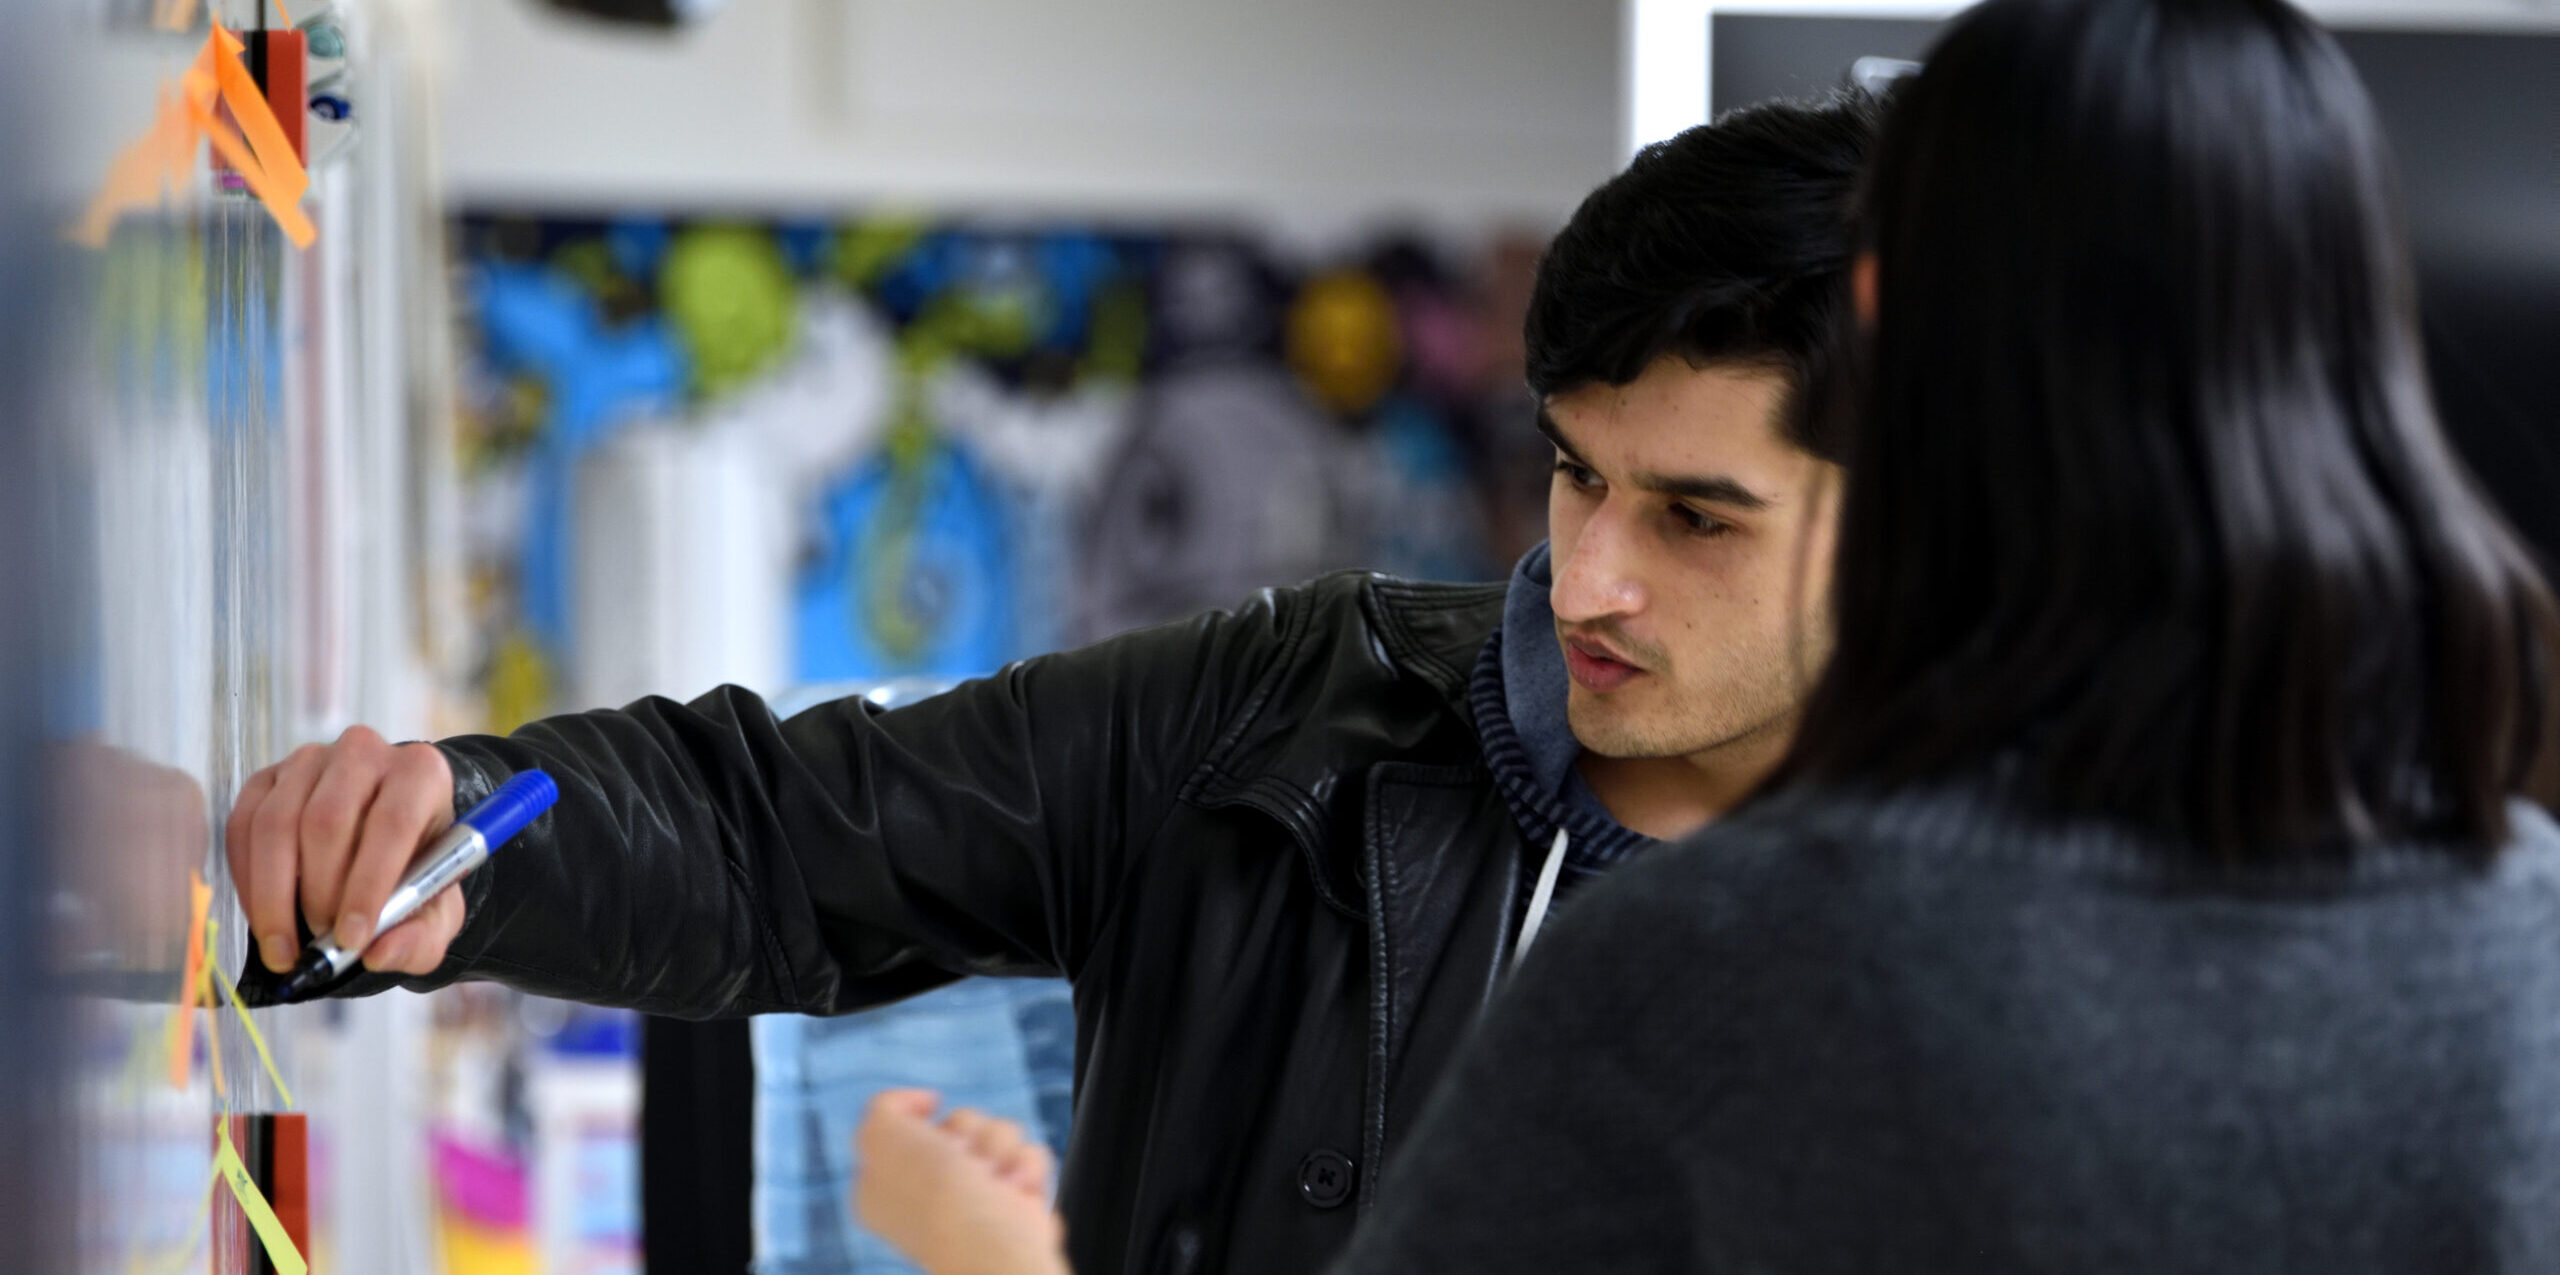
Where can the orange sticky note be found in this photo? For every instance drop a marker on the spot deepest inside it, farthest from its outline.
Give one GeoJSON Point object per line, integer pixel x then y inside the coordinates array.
{"type": "Point", "coordinates": [269, 189]}
{"type": "Point", "coordinates": [272, 170]}
{"type": "Point", "coordinates": [256, 148]}
{"type": "Point", "coordinates": [258, 124]}
{"type": "Point", "coordinates": [156, 163]}
{"type": "Point", "coordinates": [143, 174]}
{"type": "Point", "coordinates": [182, 1018]}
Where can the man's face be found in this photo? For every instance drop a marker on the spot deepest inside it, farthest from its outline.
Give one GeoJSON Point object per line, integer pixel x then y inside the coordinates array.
{"type": "Point", "coordinates": [1692, 555]}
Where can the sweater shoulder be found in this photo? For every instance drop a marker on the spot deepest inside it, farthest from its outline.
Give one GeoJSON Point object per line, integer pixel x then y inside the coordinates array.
{"type": "Point", "coordinates": [1924, 866]}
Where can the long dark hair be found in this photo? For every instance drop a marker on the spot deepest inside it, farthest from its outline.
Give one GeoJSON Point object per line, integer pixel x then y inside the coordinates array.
{"type": "Point", "coordinates": [2146, 483]}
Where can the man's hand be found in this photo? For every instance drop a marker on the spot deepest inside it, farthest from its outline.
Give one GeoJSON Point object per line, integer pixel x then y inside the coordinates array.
{"type": "Point", "coordinates": [966, 1196]}
{"type": "Point", "coordinates": [330, 831]}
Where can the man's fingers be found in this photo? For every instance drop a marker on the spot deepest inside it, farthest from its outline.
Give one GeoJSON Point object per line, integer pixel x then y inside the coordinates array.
{"type": "Point", "coordinates": [963, 1123]}
{"type": "Point", "coordinates": [1029, 1167]}
{"type": "Point", "coordinates": [340, 800]}
{"type": "Point", "coordinates": [414, 802]}
{"type": "Point", "coordinates": [275, 844]}
{"type": "Point", "coordinates": [418, 945]}
{"type": "Point", "coordinates": [322, 837]}
{"type": "Point", "coordinates": [913, 1104]}
{"type": "Point", "coordinates": [893, 1117]}
{"type": "Point", "coordinates": [442, 917]}
{"type": "Point", "coordinates": [987, 1137]}
{"type": "Point", "coordinates": [396, 952]}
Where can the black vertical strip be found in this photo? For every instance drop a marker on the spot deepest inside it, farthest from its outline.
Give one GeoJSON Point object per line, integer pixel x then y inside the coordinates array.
{"type": "Point", "coordinates": [260, 1157]}
{"type": "Point", "coordinates": [697, 1147]}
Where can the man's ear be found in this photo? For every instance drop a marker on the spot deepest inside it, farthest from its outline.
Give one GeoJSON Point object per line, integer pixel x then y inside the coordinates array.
{"type": "Point", "coordinates": [1862, 288]}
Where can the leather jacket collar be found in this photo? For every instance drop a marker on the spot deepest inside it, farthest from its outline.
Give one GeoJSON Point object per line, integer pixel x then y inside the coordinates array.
{"type": "Point", "coordinates": [1431, 633]}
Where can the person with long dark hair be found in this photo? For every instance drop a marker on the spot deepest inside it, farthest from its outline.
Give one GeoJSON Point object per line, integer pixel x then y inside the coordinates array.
{"type": "Point", "coordinates": [2157, 880]}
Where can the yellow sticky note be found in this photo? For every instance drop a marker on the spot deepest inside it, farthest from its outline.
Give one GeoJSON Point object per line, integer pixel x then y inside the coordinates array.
{"type": "Point", "coordinates": [248, 1025]}
{"type": "Point", "coordinates": [212, 1032]}
{"type": "Point", "coordinates": [253, 1205]}
{"type": "Point", "coordinates": [179, 1258]}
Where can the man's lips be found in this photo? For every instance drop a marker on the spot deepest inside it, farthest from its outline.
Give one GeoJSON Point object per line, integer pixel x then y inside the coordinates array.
{"type": "Point", "coordinates": [1595, 668]}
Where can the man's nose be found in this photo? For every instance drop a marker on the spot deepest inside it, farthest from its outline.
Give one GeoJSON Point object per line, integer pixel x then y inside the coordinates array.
{"type": "Point", "coordinates": [1597, 579]}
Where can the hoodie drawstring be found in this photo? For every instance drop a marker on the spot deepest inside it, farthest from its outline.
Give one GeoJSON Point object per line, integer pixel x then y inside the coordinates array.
{"type": "Point", "coordinates": [1540, 898]}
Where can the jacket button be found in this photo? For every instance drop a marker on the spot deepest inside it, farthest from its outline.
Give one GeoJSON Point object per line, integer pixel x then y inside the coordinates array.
{"type": "Point", "coordinates": [1325, 1178]}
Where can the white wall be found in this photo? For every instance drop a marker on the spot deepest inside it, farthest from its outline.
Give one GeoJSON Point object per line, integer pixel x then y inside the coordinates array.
{"type": "Point", "coordinates": [1445, 109]}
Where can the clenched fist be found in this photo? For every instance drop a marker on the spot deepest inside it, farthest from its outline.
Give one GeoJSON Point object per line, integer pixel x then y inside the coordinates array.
{"type": "Point", "coordinates": [330, 831]}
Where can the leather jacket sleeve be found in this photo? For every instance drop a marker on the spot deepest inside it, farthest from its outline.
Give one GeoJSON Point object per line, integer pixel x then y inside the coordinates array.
{"type": "Point", "coordinates": [707, 859]}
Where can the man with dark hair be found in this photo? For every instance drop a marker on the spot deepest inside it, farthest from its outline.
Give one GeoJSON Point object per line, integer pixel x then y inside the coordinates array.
{"type": "Point", "coordinates": [1285, 853]}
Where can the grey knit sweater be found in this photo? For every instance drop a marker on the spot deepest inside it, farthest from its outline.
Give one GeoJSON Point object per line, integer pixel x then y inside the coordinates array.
{"type": "Point", "coordinates": [1929, 1034]}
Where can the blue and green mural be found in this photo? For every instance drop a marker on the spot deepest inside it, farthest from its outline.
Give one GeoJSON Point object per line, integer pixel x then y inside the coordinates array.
{"type": "Point", "coordinates": [996, 440]}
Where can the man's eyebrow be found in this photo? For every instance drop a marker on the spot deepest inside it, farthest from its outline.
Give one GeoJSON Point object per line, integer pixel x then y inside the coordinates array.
{"type": "Point", "coordinates": [1714, 489]}
{"type": "Point", "coordinates": [1547, 426]}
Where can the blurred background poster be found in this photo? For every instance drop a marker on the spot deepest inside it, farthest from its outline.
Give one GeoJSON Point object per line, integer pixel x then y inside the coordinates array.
{"type": "Point", "coordinates": [793, 451]}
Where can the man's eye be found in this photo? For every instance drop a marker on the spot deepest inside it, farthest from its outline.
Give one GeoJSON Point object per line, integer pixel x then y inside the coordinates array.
{"type": "Point", "coordinates": [1578, 475]}
{"type": "Point", "coordinates": [1698, 524]}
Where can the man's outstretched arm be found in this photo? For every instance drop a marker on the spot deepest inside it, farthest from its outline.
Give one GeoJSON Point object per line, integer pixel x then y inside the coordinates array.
{"type": "Point", "coordinates": [708, 858]}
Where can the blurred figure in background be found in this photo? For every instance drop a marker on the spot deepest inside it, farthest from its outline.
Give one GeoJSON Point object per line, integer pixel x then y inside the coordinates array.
{"type": "Point", "coordinates": [2156, 882]}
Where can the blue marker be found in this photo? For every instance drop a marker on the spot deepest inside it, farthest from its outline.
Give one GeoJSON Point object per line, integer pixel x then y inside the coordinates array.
{"type": "Point", "coordinates": [464, 846]}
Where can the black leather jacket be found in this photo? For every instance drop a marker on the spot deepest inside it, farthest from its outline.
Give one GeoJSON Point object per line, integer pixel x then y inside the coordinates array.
{"type": "Point", "coordinates": [1262, 844]}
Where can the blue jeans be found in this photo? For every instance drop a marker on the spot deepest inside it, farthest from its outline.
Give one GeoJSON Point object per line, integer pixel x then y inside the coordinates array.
{"type": "Point", "coordinates": [1004, 1046]}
